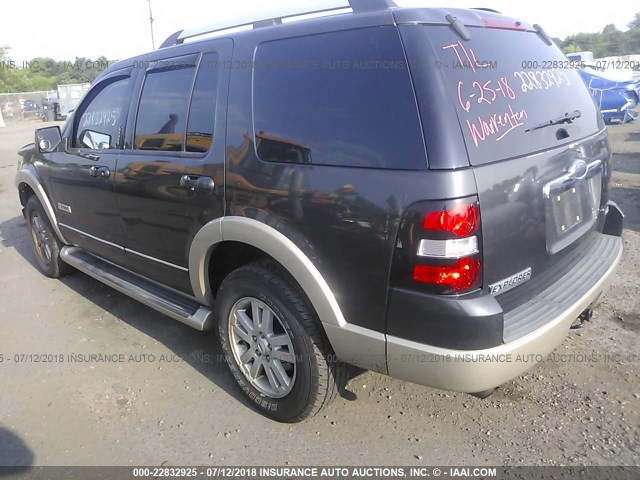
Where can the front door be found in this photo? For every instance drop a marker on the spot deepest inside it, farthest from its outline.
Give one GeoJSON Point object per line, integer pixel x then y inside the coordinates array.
{"type": "Point", "coordinates": [171, 181]}
{"type": "Point", "coordinates": [82, 174]}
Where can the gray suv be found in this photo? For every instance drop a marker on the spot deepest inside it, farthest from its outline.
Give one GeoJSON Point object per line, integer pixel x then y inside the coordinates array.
{"type": "Point", "coordinates": [418, 192]}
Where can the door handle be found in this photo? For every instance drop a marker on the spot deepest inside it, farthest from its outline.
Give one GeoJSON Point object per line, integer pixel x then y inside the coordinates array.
{"type": "Point", "coordinates": [193, 183]}
{"type": "Point", "coordinates": [90, 156]}
{"type": "Point", "coordinates": [102, 172]}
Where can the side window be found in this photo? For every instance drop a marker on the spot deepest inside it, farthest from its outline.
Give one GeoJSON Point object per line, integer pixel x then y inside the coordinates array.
{"type": "Point", "coordinates": [341, 98]}
{"type": "Point", "coordinates": [202, 113]}
{"type": "Point", "coordinates": [162, 112]}
{"type": "Point", "coordinates": [100, 120]}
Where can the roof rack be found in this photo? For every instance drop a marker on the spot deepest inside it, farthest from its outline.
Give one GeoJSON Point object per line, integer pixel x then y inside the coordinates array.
{"type": "Point", "coordinates": [275, 16]}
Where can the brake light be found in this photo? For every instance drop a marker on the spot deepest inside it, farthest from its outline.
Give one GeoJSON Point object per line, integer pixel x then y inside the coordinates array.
{"type": "Point", "coordinates": [439, 247]}
{"type": "Point", "coordinates": [460, 219]}
{"type": "Point", "coordinates": [449, 248]}
{"type": "Point", "coordinates": [460, 276]}
{"type": "Point", "coordinates": [503, 24]}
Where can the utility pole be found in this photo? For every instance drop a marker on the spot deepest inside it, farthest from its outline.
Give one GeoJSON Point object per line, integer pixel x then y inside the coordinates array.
{"type": "Point", "coordinates": [153, 42]}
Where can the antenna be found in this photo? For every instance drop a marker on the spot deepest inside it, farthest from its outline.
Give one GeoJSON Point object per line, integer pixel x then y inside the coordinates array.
{"type": "Point", "coordinates": [153, 42]}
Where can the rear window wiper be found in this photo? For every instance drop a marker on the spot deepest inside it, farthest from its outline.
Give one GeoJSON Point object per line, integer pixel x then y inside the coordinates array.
{"type": "Point", "coordinates": [566, 118]}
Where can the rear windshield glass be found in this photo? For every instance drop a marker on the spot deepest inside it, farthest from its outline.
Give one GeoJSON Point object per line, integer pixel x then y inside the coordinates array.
{"type": "Point", "coordinates": [503, 83]}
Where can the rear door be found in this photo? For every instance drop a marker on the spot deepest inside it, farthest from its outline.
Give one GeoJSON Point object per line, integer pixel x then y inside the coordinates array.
{"type": "Point", "coordinates": [171, 182]}
{"type": "Point", "coordinates": [82, 177]}
{"type": "Point", "coordinates": [541, 182]}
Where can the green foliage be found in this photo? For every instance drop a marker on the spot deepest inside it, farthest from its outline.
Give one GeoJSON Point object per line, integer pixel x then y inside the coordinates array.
{"type": "Point", "coordinates": [42, 73]}
{"type": "Point", "coordinates": [571, 48]}
{"type": "Point", "coordinates": [611, 42]}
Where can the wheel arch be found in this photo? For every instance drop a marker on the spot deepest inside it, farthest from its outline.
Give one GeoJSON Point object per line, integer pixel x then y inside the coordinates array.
{"type": "Point", "coordinates": [27, 177]}
{"type": "Point", "coordinates": [272, 243]}
{"type": "Point", "coordinates": [351, 343]}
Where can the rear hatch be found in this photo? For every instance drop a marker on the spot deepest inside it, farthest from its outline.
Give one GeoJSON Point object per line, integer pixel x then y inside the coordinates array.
{"type": "Point", "coordinates": [533, 135]}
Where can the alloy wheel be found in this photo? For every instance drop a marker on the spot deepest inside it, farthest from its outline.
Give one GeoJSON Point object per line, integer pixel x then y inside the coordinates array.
{"type": "Point", "coordinates": [262, 347]}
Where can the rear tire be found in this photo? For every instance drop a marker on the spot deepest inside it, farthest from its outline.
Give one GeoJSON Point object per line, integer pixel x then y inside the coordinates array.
{"type": "Point", "coordinates": [274, 345]}
{"type": "Point", "coordinates": [484, 394]}
{"type": "Point", "coordinates": [44, 242]}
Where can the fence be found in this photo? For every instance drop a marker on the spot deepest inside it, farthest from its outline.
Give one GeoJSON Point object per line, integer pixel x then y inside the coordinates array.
{"type": "Point", "coordinates": [24, 106]}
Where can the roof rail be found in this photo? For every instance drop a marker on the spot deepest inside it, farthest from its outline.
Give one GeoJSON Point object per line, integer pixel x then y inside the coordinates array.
{"type": "Point", "coordinates": [275, 15]}
{"type": "Point", "coordinates": [486, 9]}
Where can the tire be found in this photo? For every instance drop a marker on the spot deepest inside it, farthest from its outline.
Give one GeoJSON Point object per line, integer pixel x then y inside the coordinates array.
{"type": "Point", "coordinates": [44, 242]}
{"type": "Point", "coordinates": [307, 360]}
{"type": "Point", "coordinates": [484, 394]}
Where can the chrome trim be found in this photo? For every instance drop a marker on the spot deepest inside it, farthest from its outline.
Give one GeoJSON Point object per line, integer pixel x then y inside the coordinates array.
{"type": "Point", "coordinates": [512, 281]}
{"type": "Point", "coordinates": [479, 370]}
{"type": "Point", "coordinates": [64, 208]}
{"type": "Point", "coordinates": [92, 237]}
{"type": "Point", "coordinates": [362, 347]}
{"type": "Point", "coordinates": [124, 249]}
{"type": "Point", "coordinates": [438, 248]}
{"type": "Point", "coordinates": [579, 169]}
{"type": "Point", "coordinates": [28, 177]}
{"type": "Point", "coordinates": [569, 177]}
{"type": "Point", "coordinates": [148, 257]}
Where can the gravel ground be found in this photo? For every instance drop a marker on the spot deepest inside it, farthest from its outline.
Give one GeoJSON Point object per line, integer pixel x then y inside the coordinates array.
{"type": "Point", "coordinates": [156, 408]}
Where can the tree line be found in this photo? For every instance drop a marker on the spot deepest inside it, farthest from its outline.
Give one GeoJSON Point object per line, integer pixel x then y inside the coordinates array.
{"type": "Point", "coordinates": [611, 42]}
{"type": "Point", "coordinates": [43, 73]}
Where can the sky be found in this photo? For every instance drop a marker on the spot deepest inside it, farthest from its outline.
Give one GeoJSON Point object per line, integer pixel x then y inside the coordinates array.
{"type": "Point", "coordinates": [118, 29]}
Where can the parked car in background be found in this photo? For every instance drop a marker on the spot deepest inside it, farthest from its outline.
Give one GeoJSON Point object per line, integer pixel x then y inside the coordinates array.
{"type": "Point", "coordinates": [580, 56]}
{"type": "Point", "coordinates": [617, 95]}
{"type": "Point", "coordinates": [31, 108]}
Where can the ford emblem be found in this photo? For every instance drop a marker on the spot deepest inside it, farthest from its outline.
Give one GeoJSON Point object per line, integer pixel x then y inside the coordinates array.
{"type": "Point", "coordinates": [579, 169]}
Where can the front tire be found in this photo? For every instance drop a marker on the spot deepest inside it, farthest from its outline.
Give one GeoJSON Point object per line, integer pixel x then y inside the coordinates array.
{"type": "Point", "coordinates": [274, 345]}
{"type": "Point", "coordinates": [44, 242]}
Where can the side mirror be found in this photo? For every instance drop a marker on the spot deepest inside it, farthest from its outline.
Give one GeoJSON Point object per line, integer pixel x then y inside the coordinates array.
{"type": "Point", "coordinates": [48, 139]}
{"type": "Point", "coordinates": [95, 140]}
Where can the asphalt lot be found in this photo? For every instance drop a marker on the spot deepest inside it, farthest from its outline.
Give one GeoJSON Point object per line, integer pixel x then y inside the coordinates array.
{"type": "Point", "coordinates": [171, 403]}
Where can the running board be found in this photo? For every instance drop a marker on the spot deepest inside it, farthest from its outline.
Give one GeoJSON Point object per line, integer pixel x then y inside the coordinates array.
{"type": "Point", "coordinates": [151, 294]}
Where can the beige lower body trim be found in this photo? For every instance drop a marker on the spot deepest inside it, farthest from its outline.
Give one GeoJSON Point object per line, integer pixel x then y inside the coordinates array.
{"type": "Point", "coordinates": [358, 346]}
{"type": "Point", "coordinates": [479, 370]}
{"type": "Point", "coordinates": [28, 177]}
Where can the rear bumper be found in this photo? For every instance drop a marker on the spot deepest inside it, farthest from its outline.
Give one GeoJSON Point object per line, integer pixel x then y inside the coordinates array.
{"type": "Point", "coordinates": [478, 370]}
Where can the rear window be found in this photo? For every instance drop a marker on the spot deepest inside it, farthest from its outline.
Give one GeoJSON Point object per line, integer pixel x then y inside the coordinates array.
{"type": "Point", "coordinates": [341, 98]}
{"type": "Point", "coordinates": [502, 83]}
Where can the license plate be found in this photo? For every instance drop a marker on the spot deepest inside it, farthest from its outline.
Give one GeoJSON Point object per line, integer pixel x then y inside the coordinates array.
{"type": "Point", "coordinates": [567, 210]}
{"type": "Point", "coordinates": [571, 211]}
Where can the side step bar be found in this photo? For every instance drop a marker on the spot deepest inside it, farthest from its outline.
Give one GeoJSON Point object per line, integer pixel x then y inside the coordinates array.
{"type": "Point", "coordinates": [161, 299]}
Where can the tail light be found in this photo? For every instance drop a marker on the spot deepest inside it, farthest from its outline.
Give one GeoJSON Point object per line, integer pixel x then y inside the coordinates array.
{"type": "Point", "coordinates": [460, 276]}
{"type": "Point", "coordinates": [439, 248]}
{"type": "Point", "coordinates": [460, 219]}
